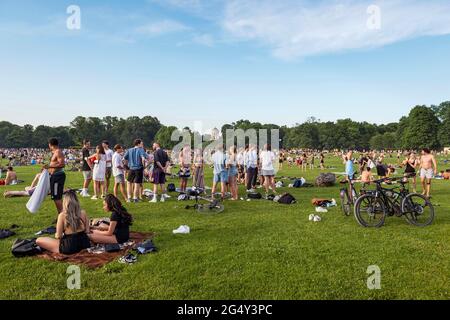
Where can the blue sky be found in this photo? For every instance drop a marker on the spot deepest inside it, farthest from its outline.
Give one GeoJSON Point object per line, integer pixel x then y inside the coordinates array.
{"type": "Point", "coordinates": [219, 61]}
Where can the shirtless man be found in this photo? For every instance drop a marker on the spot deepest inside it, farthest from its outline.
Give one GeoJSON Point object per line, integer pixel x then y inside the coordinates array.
{"type": "Point", "coordinates": [367, 176]}
{"type": "Point", "coordinates": [427, 163]}
{"type": "Point", "coordinates": [11, 177]}
{"type": "Point", "coordinates": [57, 174]}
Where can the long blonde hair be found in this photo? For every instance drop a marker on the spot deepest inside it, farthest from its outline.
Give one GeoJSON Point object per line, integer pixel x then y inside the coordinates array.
{"type": "Point", "coordinates": [72, 209]}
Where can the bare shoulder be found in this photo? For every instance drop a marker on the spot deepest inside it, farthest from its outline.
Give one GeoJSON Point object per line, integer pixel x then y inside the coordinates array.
{"type": "Point", "coordinates": [62, 217]}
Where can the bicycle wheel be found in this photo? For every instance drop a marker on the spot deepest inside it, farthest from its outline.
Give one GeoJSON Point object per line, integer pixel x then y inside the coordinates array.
{"type": "Point", "coordinates": [345, 202]}
{"type": "Point", "coordinates": [370, 211]}
{"type": "Point", "coordinates": [215, 207]}
{"type": "Point", "coordinates": [418, 210]}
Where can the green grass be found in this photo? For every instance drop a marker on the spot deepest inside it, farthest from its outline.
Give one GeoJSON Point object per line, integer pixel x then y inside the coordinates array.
{"type": "Point", "coordinates": [253, 250]}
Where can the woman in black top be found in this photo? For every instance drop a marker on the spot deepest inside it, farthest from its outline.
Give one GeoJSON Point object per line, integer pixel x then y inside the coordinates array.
{"type": "Point", "coordinates": [411, 163]}
{"type": "Point", "coordinates": [71, 229]}
{"type": "Point", "coordinates": [119, 227]}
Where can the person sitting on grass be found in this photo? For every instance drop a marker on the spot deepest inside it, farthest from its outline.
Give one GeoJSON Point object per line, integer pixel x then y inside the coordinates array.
{"type": "Point", "coordinates": [11, 177]}
{"type": "Point", "coordinates": [366, 176]}
{"type": "Point", "coordinates": [72, 228]}
{"type": "Point", "coordinates": [446, 175]}
{"type": "Point", "coordinates": [118, 230]}
{"type": "Point", "coordinates": [28, 192]}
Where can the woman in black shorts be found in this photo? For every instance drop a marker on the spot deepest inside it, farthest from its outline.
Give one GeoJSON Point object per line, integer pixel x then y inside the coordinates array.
{"type": "Point", "coordinates": [411, 163]}
{"type": "Point", "coordinates": [118, 230]}
{"type": "Point", "coordinates": [71, 229]}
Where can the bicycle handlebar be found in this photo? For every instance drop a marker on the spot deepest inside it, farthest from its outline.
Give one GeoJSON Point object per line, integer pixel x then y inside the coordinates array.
{"type": "Point", "coordinates": [399, 179]}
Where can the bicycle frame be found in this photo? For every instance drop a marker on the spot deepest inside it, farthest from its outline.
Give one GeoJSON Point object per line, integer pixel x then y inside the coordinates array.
{"type": "Point", "coordinates": [392, 203]}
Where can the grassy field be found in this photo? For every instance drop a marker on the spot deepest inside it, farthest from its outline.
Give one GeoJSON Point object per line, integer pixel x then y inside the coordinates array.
{"type": "Point", "coordinates": [253, 250]}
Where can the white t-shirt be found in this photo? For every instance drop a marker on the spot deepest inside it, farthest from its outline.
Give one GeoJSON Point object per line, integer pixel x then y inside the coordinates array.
{"type": "Point", "coordinates": [109, 155]}
{"type": "Point", "coordinates": [219, 159]}
{"type": "Point", "coordinates": [240, 158]}
{"type": "Point", "coordinates": [116, 163]}
{"type": "Point", "coordinates": [267, 158]}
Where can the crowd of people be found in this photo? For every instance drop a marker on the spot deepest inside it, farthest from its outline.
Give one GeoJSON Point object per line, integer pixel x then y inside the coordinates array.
{"type": "Point", "coordinates": [128, 169]}
{"type": "Point", "coordinates": [411, 164]}
{"type": "Point", "coordinates": [132, 167]}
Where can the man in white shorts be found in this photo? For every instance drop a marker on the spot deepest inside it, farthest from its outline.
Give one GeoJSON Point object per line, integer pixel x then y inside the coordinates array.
{"type": "Point", "coordinates": [427, 163]}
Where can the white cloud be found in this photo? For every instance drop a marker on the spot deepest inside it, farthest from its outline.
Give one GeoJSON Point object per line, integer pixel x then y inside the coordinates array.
{"type": "Point", "coordinates": [204, 39]}
{"type": "Point", "coordinates": [294, 29]}
{"type": "Point", "coordinates": [161, 27]}
{"type": "Point", "coordinates": [205, 9]}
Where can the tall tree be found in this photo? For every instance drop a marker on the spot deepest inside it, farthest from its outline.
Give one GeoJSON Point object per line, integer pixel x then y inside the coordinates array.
{"type": "Point", "coordinates": [422, 129]}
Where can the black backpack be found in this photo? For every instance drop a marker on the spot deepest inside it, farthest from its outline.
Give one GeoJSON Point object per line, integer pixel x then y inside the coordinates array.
{"type": "Point", "coordinates": [24, 248]}
{"type": "Point", "coordinates": [171, 187]}
{"type": "Point", "coordinates": [270, 197]}
{"type": "Point", "coordinates": [287, 198]}
{"type": "Point", "coordinates": [297, 183]}
{"type": "Point", "coordinates": [6, 233]}
{"type": "Point", "coordinates": [254, 195]}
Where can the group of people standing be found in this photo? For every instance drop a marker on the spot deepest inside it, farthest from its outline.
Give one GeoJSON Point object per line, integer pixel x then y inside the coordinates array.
{"type": "Point", "coordinates": [424, 165]}
{"type": "Point", "coordinates": [243, 166]}
{"type": "Point", "coordinates": [303, 159]}
{"type": "Point", "coordinates": [127, 169]}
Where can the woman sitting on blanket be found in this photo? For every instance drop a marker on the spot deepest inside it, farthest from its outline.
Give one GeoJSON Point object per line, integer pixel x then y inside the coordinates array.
{"type": "Point", "coordinates": [25, 193]}
{"type": "Point", "coordinates": [118, 230]}
{"type": "Point", "coordinates": [71, 229]}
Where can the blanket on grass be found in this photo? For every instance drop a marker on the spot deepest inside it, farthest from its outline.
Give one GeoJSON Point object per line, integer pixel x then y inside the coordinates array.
{"type": "Point", "coordinates": [96, 260]}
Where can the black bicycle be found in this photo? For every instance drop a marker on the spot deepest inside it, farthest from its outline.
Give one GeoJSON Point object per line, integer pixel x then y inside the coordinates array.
{"type": "Point", "coordinates": [372, 207]}
{"type": "Point", "coordinates": [211, 205]}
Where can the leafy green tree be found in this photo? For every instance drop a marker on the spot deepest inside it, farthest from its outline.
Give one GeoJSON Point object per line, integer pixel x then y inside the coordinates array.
{"type": "Point", "coordinates": [443, 112]}
{"type": "Point", "coordinates": [164, 137]}
{"type": "Point", "coordinates": [385, 141]}
{"type": "Point", "coordinates": [421, 129]}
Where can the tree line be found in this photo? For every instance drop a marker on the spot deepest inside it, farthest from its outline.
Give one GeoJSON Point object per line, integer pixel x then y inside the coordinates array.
{"type": "Point", "coordinates": [424, 126]}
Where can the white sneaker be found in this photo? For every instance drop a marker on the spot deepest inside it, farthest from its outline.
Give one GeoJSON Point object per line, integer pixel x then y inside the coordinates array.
{"type": "Point", "coordinates": [321, 210]}
{"type": "Point", "coordinates": [163, 199]}
{"type": "Point", "coordinates": [317, 219]}
{"type": "Point", "coordinates": [154, 200]}
{"type": "Point", "coordinates": [166, 196]}
{"type": "Point", "coordinates": [182, 230]}
{"type": "Point", "coordinates": [311, 217]}
{"type": "Point", "coordinates": [85, 195]}
{"type": "Point", "coordinates": [94, 198]}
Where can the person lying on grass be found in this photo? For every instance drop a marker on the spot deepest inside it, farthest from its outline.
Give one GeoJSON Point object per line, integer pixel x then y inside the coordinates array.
{"type": "Point", "coordinates": [25, 193]}
{"type": "Point", "coordinates": [71, 229]}
{"type": "Point", "coordinates": [118, 231]}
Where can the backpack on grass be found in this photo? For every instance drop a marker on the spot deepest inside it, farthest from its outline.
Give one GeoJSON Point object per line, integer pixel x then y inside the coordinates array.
{"type": "Point", "coordinates": [297, 183]}
{"type": "Point", "coordinates": [5, 233]}
{"type": "Point", "coordinates": [254, 195]}
{"type": "Point", "coordinates": [25, 248]}
{"type": "Point", "coordinates": [326, 180]}
{"type": "Point", "coordinates": [287, 198]}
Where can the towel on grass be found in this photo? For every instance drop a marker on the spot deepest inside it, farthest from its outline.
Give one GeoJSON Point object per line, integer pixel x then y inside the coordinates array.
{"type": "Point", "coordinates": [92, 260]}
